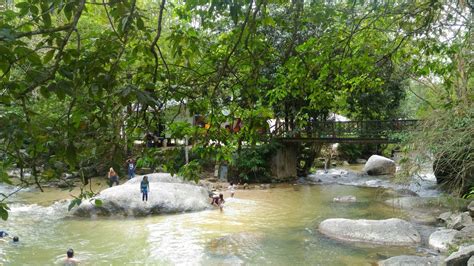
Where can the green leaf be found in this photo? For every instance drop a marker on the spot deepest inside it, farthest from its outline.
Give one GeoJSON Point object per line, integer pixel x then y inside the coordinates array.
{"type": "Point", "coordinates": [3, 212]}
{"type": "Point", "coordinates": [24, 8]}
{"type": "Point", "coordinates": [140, 24]}
{"type": "Point", "coordinates": [74, 202]}
{"type": "Point", "coordinates": [48, 56]}
{"type": "Point", "coordinates": [98, 202]}
{"type": "Point", "coordinates": [46, 20]}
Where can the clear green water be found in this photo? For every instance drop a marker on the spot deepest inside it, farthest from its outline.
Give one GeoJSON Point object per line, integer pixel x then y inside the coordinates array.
{"type": "Point", "coordinates": [280, 226]}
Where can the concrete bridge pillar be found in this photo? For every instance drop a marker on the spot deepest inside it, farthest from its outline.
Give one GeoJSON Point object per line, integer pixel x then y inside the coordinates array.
{"type": "Point", "coordinates": [284, 161]}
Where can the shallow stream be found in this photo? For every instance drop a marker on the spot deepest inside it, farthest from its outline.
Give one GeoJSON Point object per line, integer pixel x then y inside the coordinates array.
{"type": "Point", "coordinates": [274, 226]}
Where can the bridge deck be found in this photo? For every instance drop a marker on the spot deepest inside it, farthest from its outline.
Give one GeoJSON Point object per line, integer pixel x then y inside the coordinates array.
{"type": "Point", "coordinates": [346, 131]}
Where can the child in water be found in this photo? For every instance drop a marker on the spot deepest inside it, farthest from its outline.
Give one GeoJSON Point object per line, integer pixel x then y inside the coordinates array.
{"type": "Point", "coordinates": [221, 201]}
{"type": "Point", "coordinates": [70, 260]}
{"type": "Point", "coordinates": [231, 189]}
{"type": "Point", "coordinates": [145, 186]}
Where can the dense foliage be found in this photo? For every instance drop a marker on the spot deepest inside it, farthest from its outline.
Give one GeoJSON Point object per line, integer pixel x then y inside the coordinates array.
{"type": "Point", "coordinates": [82, 80]}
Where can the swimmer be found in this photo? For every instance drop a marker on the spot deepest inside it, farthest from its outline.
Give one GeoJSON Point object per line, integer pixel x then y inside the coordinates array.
{"type": "Point", "coordinates": [3, 234]}
{"type": "Point", "coordinates": [70, 260]}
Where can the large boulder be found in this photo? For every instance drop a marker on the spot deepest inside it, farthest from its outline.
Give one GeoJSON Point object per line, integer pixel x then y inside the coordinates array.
{"type": "Point", "coordinates": [167, 195]}
{"type": "Point", "coordinates": [442, 239]}
{"type": "Point", "coordinates": [393, 231]}
{"type": "Point", "coordinates": [460, 257]}
{"type": "Point", "coordinates": [411, 261]}
{"type": "Point", "coordinates": [379, 165]}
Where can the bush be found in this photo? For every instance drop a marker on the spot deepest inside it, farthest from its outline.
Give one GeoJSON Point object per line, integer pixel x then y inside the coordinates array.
{"type": "Point", "coordinates": [253, 163]}
{"type": "Point", "coordinates": [446, 137]}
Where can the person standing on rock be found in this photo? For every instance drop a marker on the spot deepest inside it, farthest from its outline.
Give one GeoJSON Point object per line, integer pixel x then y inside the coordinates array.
{"type": "Point", "coordinates": [145, 187]}
{"type": "Point", "coordinates": [131, 168]}
{"type": "Point", "coordinates": [113, 177]}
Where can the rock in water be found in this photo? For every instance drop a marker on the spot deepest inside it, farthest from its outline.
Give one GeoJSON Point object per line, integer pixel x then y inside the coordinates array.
{"type": "Point", "coordinates": [410, 261]}
{"type": "Point", "coordinates": [379, 165]}
{"type": "Point", "coordinates": [441, 240]}
{"type": "Point", "coordinates": [345, 199]}
{"type": "Point", "coordinates": [460, 257]}
{"type": "Point", "coordinates": [167, 195]}
{"type": "Point", "coordinates": [395, 232]}
{"type": "Point", "coordinates": [236, 243]}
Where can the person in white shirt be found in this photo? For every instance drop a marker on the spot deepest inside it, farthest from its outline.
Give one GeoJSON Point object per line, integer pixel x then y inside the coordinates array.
{"type": "Point", "coordinates": [231, 188]}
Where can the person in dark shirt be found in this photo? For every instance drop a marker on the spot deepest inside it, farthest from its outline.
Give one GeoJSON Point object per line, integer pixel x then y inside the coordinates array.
{"type": "Point", "coordinates": [145, 187]}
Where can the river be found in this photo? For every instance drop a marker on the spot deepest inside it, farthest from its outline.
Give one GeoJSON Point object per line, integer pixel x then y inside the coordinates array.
{"type": "Point", "coordinates": [274, 226]}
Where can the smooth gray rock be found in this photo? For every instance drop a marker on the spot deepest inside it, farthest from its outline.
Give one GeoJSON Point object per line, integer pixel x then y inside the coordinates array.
{"type": "Point", "coordinates": [470, 262]}
{"type": "Point", "coordinates": [345, 199]}
{"type": "Point", "coordinates": [361, 161]}
{"type": "Point", "coordinates": [411, 261]}
{"type": "Point", "coordinates": [460, 257]}
{"type": "Point", "coordinates": [393, 231]}
{"type": "Point", "coordinates": [442, 239]}
{"type": "Point", "coordinates": [167, 195]}
{"type": "Point", "coordinates": [459, 220]}
{"type": "Point", "coordinates": [444, 217]}
{"type": "Point", "coordinates": [466, 234]}
{"type": "Point", "coordinates": [470, 208]}
{"type": "Point", "coordinates": [379, 165]}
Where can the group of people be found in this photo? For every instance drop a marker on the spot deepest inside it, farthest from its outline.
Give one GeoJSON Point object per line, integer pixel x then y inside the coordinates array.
{"type": "Point", "coordinates": [4, 236]}
{"type": "Point", "coordinates": [113, 176]}
{"type": "Point", "coordinates": [218, 199]}
{"type": "Point", "coordinates": [69, 261]}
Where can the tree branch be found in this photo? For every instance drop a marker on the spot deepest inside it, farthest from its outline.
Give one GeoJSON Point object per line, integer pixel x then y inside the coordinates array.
{"type": "Point", "coordinates": [155, 40]}
{"type": "Point", "coordinates": [60, 54]}
{"type": "Point", "coordinates": [41, 31]}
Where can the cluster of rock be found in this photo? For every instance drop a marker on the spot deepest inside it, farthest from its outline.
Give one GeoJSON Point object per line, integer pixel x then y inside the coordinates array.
{"type": "Point", "coordinates": [459, 231]}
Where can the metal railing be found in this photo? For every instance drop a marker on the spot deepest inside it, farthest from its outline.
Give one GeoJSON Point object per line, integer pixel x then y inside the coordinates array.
{"type": "Point", "coordinates": [333, 131]}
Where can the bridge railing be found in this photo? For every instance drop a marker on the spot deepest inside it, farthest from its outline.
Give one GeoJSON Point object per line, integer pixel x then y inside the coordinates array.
{"type": "Point", "coordinates": [368, 129]}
